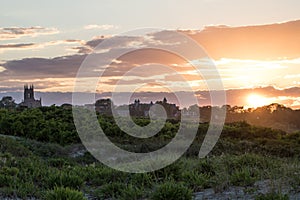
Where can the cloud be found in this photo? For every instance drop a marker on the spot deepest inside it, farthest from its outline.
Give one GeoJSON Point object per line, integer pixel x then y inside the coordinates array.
{"type": "Point", "coordinates": [10, 33]}
{"type": "Point", "coordinates": [102, 27]}
{"type": "Point", "coordinates": [286, 96]}
{"type": "Point", "coordinates": [292, 76]}
{"type": "Point", "coordinates": [235, 72]}
{"type": "Point", "coordinates": [58, 67]}
{"type": "Point", "coordinates": [17, 46]}
{"type": "Point", "coordinates": [264, 42]}
{"type": "Point", "coordinates": [118, 42]}
{"type": "Point", "coordinates": [25, 46]}
{"type": "Point", "coordinates": [253, 73]}
{"type": "Point", "coordinates": [2, 69]}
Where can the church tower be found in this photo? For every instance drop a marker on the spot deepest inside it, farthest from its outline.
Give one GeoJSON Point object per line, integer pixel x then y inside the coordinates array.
{"type": "Point", "coordinates": [28, 92]}
{"type": "Point", "coordinates": [29, 101]}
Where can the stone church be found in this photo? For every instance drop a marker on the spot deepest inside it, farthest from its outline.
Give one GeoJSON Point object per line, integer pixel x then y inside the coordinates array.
{"type": "Point", "coordinates": [29, 100]}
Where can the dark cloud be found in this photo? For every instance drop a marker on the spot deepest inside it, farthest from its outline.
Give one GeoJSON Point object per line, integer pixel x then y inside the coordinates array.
{"type": "Point", "coordinates": [9, 33]}
{"type": "Point", "coordinates": [121, 41]}
{"type": "Point", "coordinates": [107, 44]}
{"type": "Point", "coordinates": [59, 67]}
{"type": "Point", "coordinates": [274, 41]}
{"type": "Point", "coordinates": [16, 46]}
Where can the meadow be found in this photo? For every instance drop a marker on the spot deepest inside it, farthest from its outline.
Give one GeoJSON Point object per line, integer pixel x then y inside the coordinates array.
{"type": "Point", "coordinates": [41, 158]}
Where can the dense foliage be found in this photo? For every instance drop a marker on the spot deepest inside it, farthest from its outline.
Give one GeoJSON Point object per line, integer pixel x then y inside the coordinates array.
{"type": "Point", "coordinates": [55, 125]}
{"type": "Point", "coordinates": [42, 162]}
{"type": "Point", "coordinates": [47, 124]}
{"type": "Point", "coordinates": [31, 173]}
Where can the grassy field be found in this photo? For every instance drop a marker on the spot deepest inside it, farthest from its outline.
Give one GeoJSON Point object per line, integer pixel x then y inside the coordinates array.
{"type": "Point", "coordinates": [33, 169]}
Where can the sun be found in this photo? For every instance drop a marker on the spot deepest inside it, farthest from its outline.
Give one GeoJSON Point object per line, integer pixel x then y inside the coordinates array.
{"type": "Point", "coordinates": [256, 100]}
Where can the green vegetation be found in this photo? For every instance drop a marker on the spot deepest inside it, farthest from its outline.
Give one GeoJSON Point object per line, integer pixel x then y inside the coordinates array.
{"type": "Point", "coordinates": [172, 191]}
{"type": "Point", "coordinates": [39, 162]}
{"type": "Point", "coordinates": [61, 193]}
{"type": "Point", "coordinates": [272, 196]}
{"type": "Point", "coordinates": [46, 124]}
{"type": "Point", "coordinates": [58, 176]}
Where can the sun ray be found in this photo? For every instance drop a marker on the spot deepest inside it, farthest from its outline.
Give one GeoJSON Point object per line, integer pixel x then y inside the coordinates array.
{"type": "Point", "coordinates": [256, 100]}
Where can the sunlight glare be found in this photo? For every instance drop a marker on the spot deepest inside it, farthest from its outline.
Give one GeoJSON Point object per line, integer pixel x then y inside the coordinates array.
{"type": "Point", "coordinates": [255, 100]}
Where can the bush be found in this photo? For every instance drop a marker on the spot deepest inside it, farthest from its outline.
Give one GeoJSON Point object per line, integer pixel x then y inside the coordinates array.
{"type": "Point", "coordinates": [171, 191]}
{"type": "Point", "coordinates": [64, 179]}
{"type": "Point", "coordinates": [131, 192]}
{"type": "Point", "coordinates": [10, 145]}
{"type": "Point", "coordinates": [58, 162]}
{"type": "Point", "coordinates": [42, 149]}
{"type": "Point", "coordinates": [272, 196]}
{"type": "Point", "coordinates": [61, 193]}
{"type": "Point", "coordinates": [243, 177]}
{"type": "Point", "coordinates": [107, 175]}
{"type": "Point", "coordinates": [206, 167]}
{"type": "Point", "coordinates": [196, 180]}
{"type": "Point", "coordinates": [142, 180]}
{"type": "Point", "coordinates": [111, 190]}
{"type": "Point", "coordinates": [173, 171]}
{"type": "Point", "coordinates": [118, 190]}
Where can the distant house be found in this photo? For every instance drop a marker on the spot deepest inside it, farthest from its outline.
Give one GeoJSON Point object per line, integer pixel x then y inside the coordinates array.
{"type": "Point", "coordinates": [173, 111]}
{"type": "Point", "coordinates": [29, 100]}
{"type": "Point", "coordinates": [104, 106]}
{"type": "Point", "coordinates": [138, 109]}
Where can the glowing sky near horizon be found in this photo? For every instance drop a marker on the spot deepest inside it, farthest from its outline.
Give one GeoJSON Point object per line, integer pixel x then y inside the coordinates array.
{"type": "Point", "coordinates": [54, 29]}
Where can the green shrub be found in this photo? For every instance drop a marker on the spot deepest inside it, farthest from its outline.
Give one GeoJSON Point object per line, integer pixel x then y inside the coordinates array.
{"type": "Point", "coordinates": [206, 166]}
{"type": "Point", "coordinates": [8, 176]}
{"type": "Point", "coordinates": [44, 149]}
{"type": "Point", "coordinates": [171, 191]}
{"type": "Point", "coordinates": [64, 179]}
{"type": "Point", "coordinates": [131, 192]}
{"type": "Point", "coordinates": [243, 177]}
{"type": "Point", "coordinates": [61, 193]}
{"type": "Point", "coordinates": [107, 175]}
{"type": "Point", "coordinates": [26, 189]}
{"type": "Point", "coordinates": [196, 180]}
{"type": "Point", "coordinates": [172, 171]}
{"type": "Point", "coordinates": [118, 190]}
{"type": "Point", "coordinates": [9, 145]}
{"type": "Point", "coordinates": [110, 190]}
{"type": "Point", "coordinates": [87, 158]}
{"type": "Point", "coordinates": [7, 192]}
{"type": "Point", "coordinates": [58, 162]}
{"type": "Point", "coordinates": [248, 160]}
{"type": "Point", "coordinates": [272, 196]}
{"type": "Point", "coordinates": [142, 180]}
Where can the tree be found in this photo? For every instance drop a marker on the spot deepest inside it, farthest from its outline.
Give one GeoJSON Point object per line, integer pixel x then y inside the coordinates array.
{"type": "Point", "coordinates": [7, 102]}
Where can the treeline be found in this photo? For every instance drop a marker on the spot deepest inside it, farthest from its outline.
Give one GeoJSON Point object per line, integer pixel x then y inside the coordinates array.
{"type": "Point", "coordinates": [275, 115]}
{"type": "Point", "coordinates": [55, 124]}
{"type": "Point", "coordinates": [46, 124]}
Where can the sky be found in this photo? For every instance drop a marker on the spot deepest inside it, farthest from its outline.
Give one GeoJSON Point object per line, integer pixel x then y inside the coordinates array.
{"type": "Point", "coordinates": [254, 46]}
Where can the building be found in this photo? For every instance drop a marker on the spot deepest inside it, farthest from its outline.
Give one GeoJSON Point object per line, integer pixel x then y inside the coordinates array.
{"type": "Point", "coordinates": [138, 109]}
{"type": "Point", "coordinates": [29, 100]}
{"type": "Point", "coordinates": [104, 106]}
{"type": "Point", "coordinates": [173, 111]}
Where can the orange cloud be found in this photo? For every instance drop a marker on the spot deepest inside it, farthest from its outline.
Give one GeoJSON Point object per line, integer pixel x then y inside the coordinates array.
{"type": "Point", "coordinates": [264, 42]}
